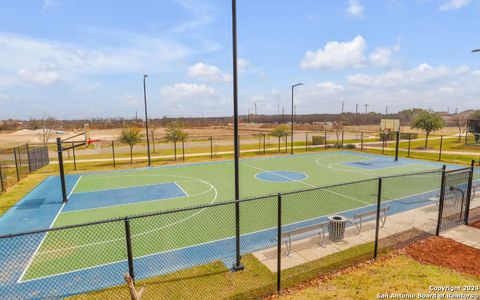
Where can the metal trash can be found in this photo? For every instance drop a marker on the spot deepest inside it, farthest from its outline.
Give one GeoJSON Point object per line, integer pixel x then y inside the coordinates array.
{"type": "Point", "coordinates": [336, 228]}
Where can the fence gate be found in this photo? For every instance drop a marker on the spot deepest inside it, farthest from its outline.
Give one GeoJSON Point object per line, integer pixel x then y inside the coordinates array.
{"type": "Point", "coordinates": [455, 198]}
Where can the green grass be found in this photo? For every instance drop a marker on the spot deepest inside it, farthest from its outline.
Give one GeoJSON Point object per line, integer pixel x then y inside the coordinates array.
{"type": "Point", "coordinates": [85, 247]}
{"type": "Point", "coordinates": [215, 281]}
{"type": "Point", "coordinates": [399, 274]}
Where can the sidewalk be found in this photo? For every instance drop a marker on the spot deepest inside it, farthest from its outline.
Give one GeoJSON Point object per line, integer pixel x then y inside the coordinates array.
{"type": "Point", "coordinates": [467, 235]}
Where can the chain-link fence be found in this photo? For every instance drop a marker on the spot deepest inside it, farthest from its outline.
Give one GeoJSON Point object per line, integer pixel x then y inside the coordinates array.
{"type": "Point", "coordinates": [282, 240]}
{"type": "Point", "coordinates": [16, 163]}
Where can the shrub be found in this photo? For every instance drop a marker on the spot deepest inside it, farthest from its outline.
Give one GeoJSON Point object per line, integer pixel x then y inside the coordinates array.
{"type": "Point", "coordinates": [408, 135]}
{"type": "Point", "coordinates": [318, 140]}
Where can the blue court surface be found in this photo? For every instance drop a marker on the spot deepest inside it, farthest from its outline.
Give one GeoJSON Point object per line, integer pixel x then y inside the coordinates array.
{"type": "Point", "coordinates": [376, 164]}
{"type": "Point", "coordinates": [281, 176]}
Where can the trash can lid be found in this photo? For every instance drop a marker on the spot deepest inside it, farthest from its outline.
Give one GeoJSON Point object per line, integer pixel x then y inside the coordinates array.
{"type": "Point", "coordinates": [337, 218]}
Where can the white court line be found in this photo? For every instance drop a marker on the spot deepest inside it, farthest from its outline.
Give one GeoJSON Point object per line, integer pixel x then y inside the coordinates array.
{"type": "Point", "coordinates": [78, 180]}
{"type": "Point", "coordinates": [185, 192]}
{"type": "Point", "coordinates": [39, 245]}
{"type": "Point", "coordinates": [307, 184]}
{"type": "Point", "coordinates": [215, 241]}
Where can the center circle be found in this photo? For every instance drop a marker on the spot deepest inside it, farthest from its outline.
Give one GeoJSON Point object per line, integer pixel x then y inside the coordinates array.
{"type": "Point", "coordinates": [281, 176]}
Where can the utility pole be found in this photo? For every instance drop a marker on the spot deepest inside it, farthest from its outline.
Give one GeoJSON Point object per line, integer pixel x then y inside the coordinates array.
{"type": "Point", "coordinates": [255, 109]}
{"type": "Point", "coordinates": [343, 106]}
{"type": "Point", "coordinates": [293, 115]}
{"type": "Point", "coordinates": [283, 113]}
{"type": "Point", "coordinates": [356, 113]}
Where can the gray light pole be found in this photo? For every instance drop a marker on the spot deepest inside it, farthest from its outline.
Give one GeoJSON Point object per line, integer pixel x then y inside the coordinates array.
{"type": "Point", "coordinates": [146, 117]}
{"type": "Point", "coordinates": [366, 112]}
{"type": "Point", "coordinates": [293, 116]}
{"type": "Point", "coordinates": [238, 265]}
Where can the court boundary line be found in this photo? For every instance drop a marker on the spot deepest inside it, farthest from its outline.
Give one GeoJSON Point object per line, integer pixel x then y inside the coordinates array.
{"type": "Point", "coordinates": [119, 188]}
{"type": "Point", "coordinates": [185, 192]}
{"type": "Point", "coordinates": [74, 186]}
{"type": "Point", "coordinates": [30, 261]}
{"type": "Point", "coordinates": [308, 184]}
{"type": "Point", "coordinates": [291, 180]}
{"type": "Point", "coordinates": [192, 179]}
{"type": "Point", "coordinates": [220, 240]}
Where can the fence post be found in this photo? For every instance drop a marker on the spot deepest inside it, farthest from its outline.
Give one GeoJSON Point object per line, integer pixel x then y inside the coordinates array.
{"type": "Point", "coordinates": [74, 158]}
{"type": "Point", "coordinates": [440, 152]}
{"type": "Point", "coordinates": [342, 138]}
{"type": "Point", "coordinates": [397, 145]}
{"type": "Point", "coordinates": [286, 143]}
{"type": "Point", "coordinates": [113, 154]}
{"type": "Point", "coordinates": [211, 147]}
{"type": "Point", "coordinates": [128, 238]}
{"type": "Point", "coordinates": [264, 151]}
{"type": "Point", "coordinates": [28, 158]}
{"type": "Point", "coordinates": [377, 224]}
{"type": "Point", "coordinates": [183, 149]}
{"type": "Point", "coordinates": [361, 141]}
{"type": "Point", "coordinates": [2, 184]}
{"type": "Point", "coordinates": [325, 138]}
{"type": "Point", "coordinates": [62, 171]}
{"type": "Point", "coordinates": [279, 241]}
{"type": "Point", "coordinates": [441, 200]}
{"type": "Point", "coordinates": [409, 141]}
{"type": "Point", "coordinates": [16, 163]}
{"type": "Point", "coordinates": [469, 191]}
{"type": "Point", "coordinates": [383, 142]}
{"type": "Point", "coordinates": [306, 141]}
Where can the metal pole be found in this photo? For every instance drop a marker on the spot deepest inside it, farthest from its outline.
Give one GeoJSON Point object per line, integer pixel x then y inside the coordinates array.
{"type": "Point", "coordinates": [146, 117]}
{"type": "Point", "coordinates": [397, 142]}
{"type": "Point", "coordinates": [377, 224]}
{"type": "Point", "coordinates": [16, 163]}
{"type": "Point", "coordinates": [113, 153]}
{"type": "Point", "coordinates": [342, 138]}
{"type": "Point", "coordinates": [2, 184]}
{"type": "Point", "coordinates": [30, 160]}
{"type": "Point", "coordinates": [279, 241]}
{"type": "Point", "coordinates": [441, 145]}
{"type": "Point", "coordinates": [286, 143]}
{"type": "Point", "coordinates": [74, 159]}
{"type": "Point", "coordinates": [441, 200]}
{"type": "Point", "coordinates": [469, 191]}
{"type": "Point", "coordinates": [211, 147]}
{"type": "Point", "coordinates": [128, 238]}
{"type": "Point", "coordinates": [383, 142]}
{"type": "Point", "coordinates": [361, 141]}
{"type": "Point", "coordinates": [183, 149]}
{"type": "Point", "coordinates": [237, 266]}
{"type": "Point", "coordinates": [293, 116]}
{"type": "Point", "coordinates": [62, 171]}
{"type": "Point", "coordinates": [409, 141]}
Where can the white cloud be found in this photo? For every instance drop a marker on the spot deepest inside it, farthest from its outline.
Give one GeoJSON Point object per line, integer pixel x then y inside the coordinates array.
{"type": "Point", "coordinates": [350, 54]}
{"type": "Point", "coordinates": [454, 4]}
{"type": "Point", "coordinates": [48, 4]}
{"type": "Point", "coordinates": [4, 97]}
{"type": "Point", "coordinates": [330, 87]}
{"type": "Point", "coordinates": [208, 73]}
{"type": "Point", "coordinates": [44, 77]}
{"type": "Point", "coordinates": [354, 8]}
{"type": "Point", "coordinates": [337, 55]}
{"type": "Point", "coordinates": [45, 61]}
{"type": "Point", "coordinates": [186, 91]}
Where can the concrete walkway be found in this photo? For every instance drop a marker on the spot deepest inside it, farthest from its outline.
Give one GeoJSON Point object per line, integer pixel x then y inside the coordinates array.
{"type": "Point", "coordinates": [467, 235]}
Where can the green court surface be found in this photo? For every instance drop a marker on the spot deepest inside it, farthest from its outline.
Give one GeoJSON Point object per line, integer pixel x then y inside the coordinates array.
{"type": "Point", "coordinates": [84, 248]}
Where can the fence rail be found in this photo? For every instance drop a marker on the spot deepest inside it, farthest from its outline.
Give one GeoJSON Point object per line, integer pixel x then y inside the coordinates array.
{"type": "Point", "coordinates": [285, 238]}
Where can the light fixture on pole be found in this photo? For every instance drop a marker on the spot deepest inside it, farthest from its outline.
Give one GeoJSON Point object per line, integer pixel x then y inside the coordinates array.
{"type": "Point", "coordinates": [293, 116]}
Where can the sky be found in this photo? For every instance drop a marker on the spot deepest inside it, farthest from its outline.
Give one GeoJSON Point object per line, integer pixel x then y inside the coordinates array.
{"type": "Point", "coordinates": [86, 59]}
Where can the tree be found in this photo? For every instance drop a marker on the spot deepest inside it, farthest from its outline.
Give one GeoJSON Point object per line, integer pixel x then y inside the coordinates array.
{"type": "Point", "coordinates": [460, 121]}
{"type": "Point", "coordinates": [130, 136]}
{"type": "Point", "coordinates": [279, 132]}
{"type": "Point", "coordinates": [174, 133]}
{"type": "Point", "coordinates": [153, 128]}
{"type": "Point", "coordinates": [475, 115]}
{"type": "Point", "coordinates": [428, 121]}
{"type": "Point", "coordinates": [46, 124]}
{"type": "Point", "coordinates": [338, 127]}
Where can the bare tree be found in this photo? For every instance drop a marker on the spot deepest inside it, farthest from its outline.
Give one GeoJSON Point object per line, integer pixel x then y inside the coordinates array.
{"type": "Point", "coordinates": [461, 122]}
{"type": "Point", "coordinates": [46, 124]}
{"type": "Point", "coordinates": [338, 127]}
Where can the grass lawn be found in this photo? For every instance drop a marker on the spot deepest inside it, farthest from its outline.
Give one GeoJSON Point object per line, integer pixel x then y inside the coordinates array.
{"type": "Point", "coordinates": [399, 274]}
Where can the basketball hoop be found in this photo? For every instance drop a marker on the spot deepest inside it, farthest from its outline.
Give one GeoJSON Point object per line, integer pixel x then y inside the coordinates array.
{"type": "Point", "coordinates": [97, 144]}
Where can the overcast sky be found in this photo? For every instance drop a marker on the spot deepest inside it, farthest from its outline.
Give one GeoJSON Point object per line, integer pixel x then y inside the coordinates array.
{"type": "Point", "coordinates": [85, 58]}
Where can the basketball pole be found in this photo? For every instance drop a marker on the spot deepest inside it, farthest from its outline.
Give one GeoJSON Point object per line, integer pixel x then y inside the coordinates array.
{"type": "Point", "coordinates": [146, 117]}
{"type": "Point", "coordinates": [238, 265]}
{"type": "Point", "coordinates": [397, 145]}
